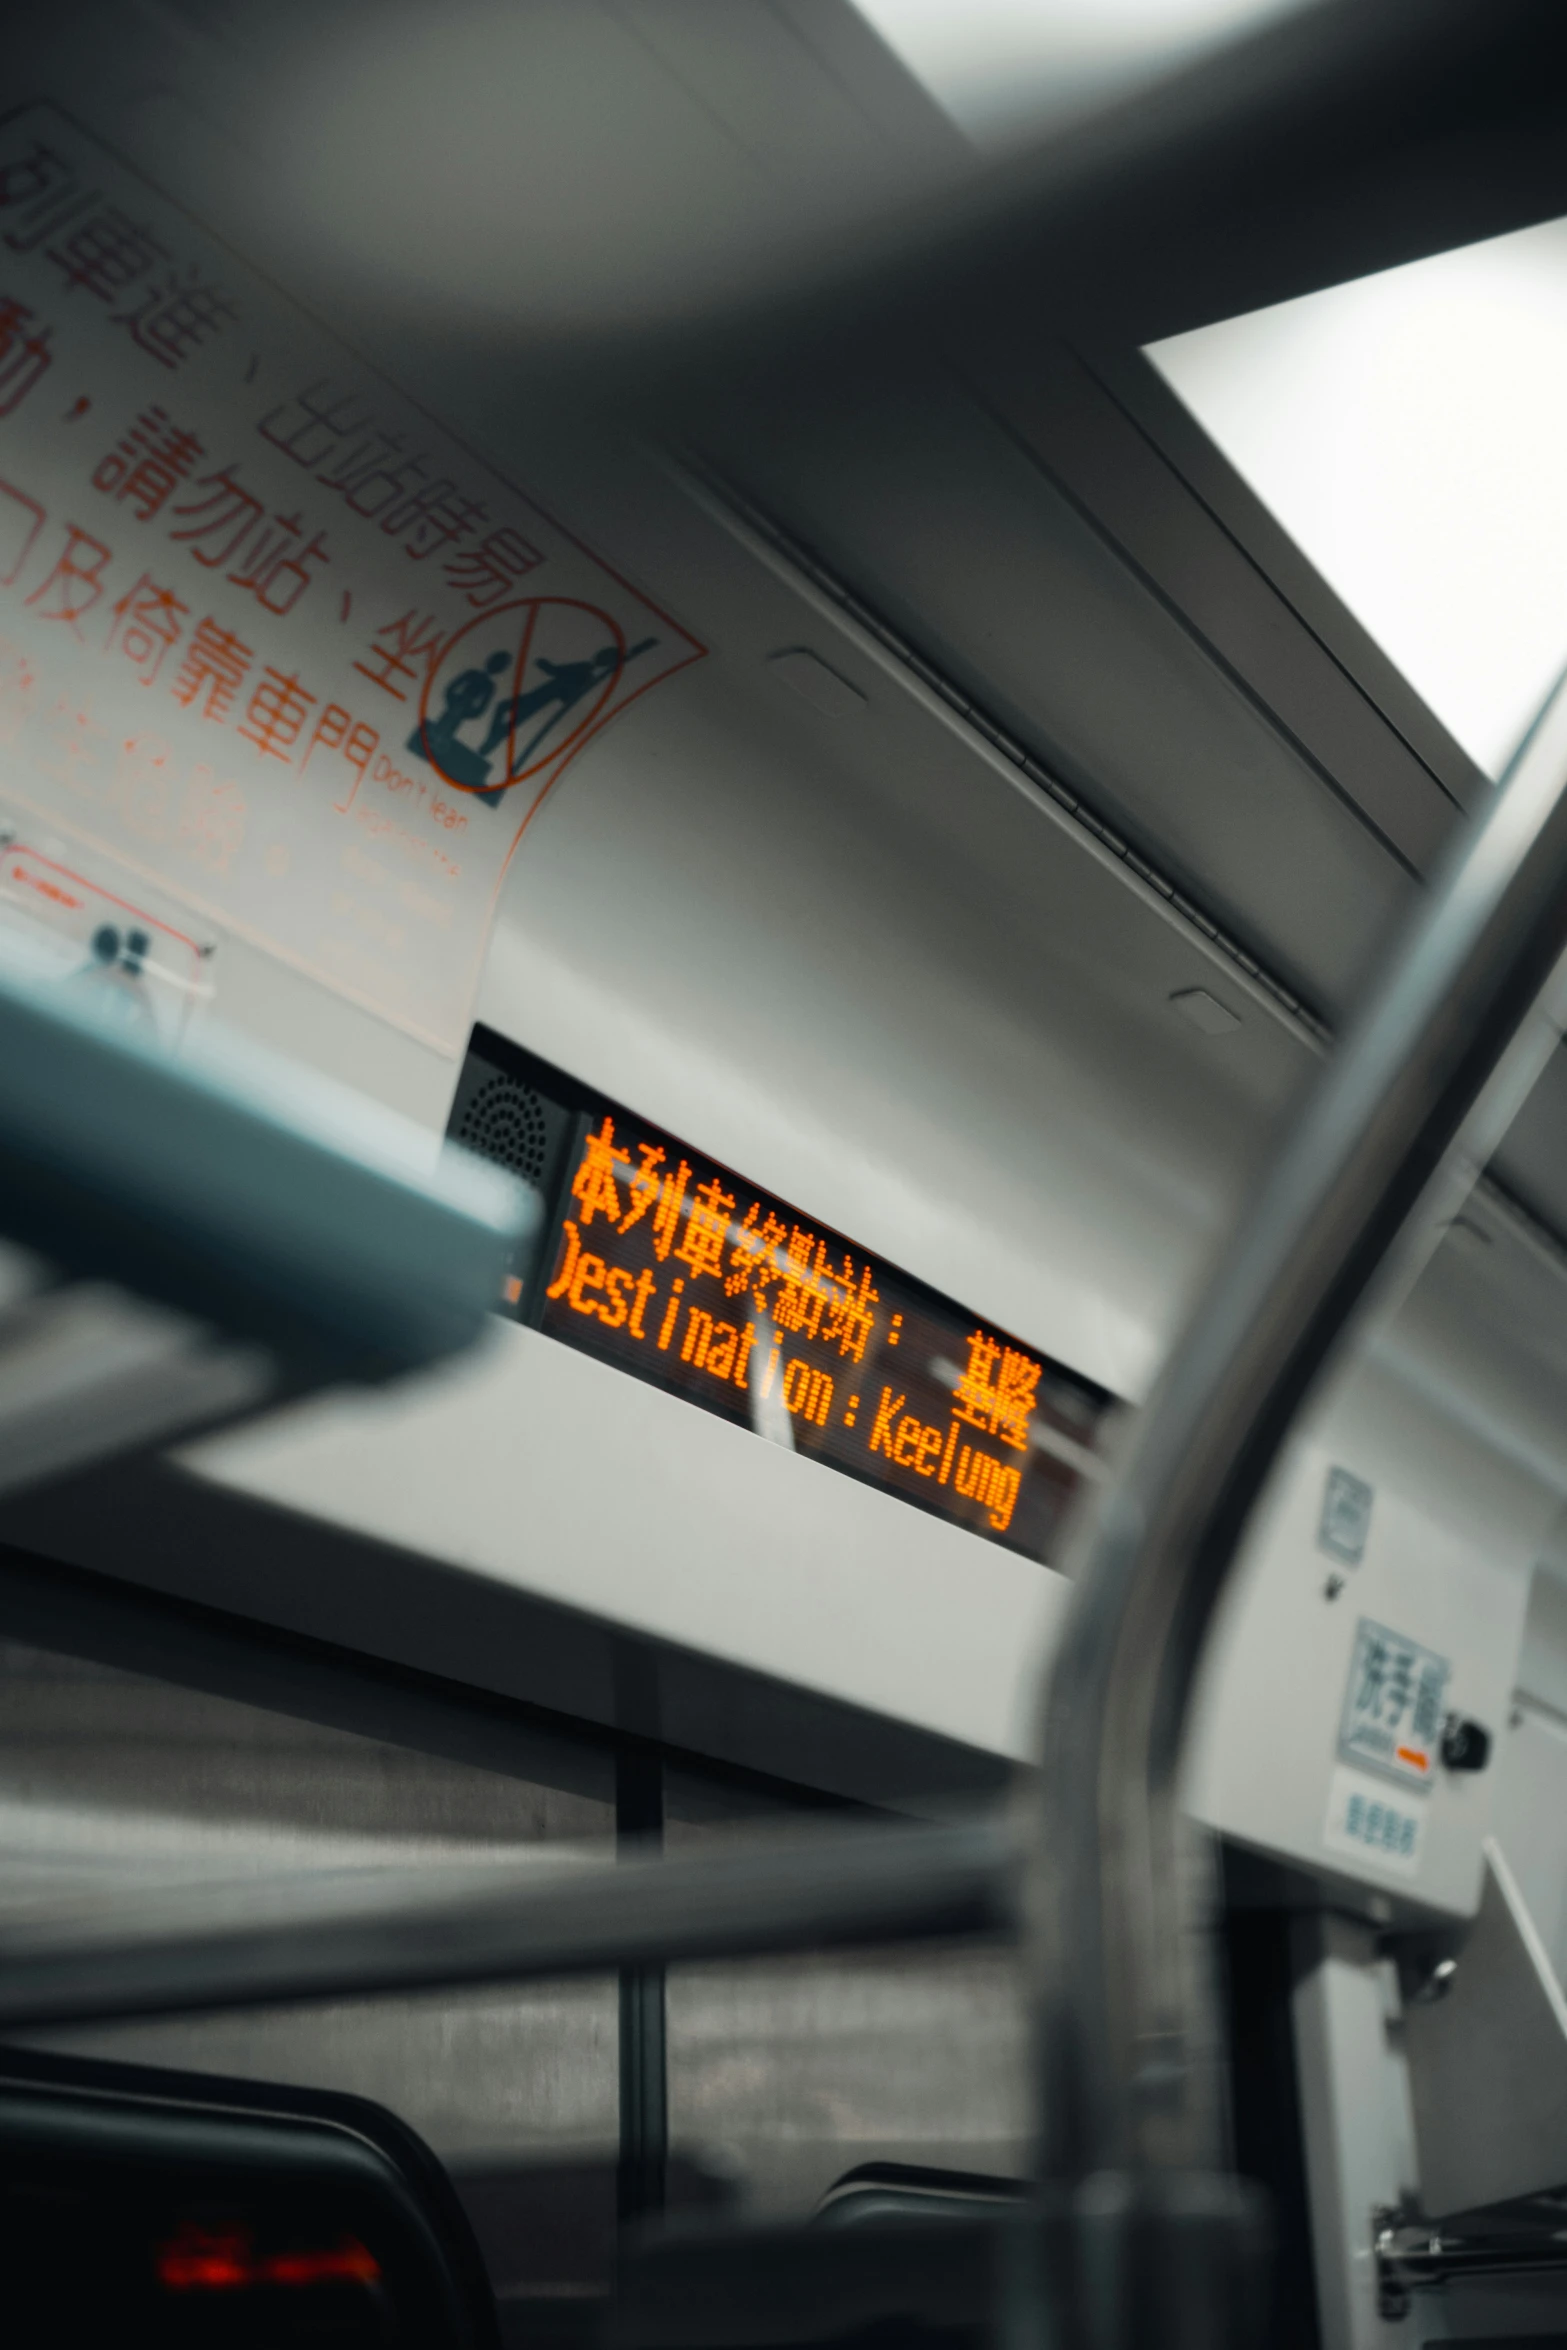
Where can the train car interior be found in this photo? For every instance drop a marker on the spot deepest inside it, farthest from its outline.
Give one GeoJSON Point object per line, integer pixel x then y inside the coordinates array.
{"type": "Point", "coordinates": [805, 1586]}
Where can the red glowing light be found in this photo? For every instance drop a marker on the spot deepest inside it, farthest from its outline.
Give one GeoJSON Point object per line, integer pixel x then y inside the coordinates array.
{"type": "Point", "coordinates": [205, 2260]}
{"type": "Point", "coordinates": [348, 2261]}
{"type": "Point", "coordinates": [220, 2259]}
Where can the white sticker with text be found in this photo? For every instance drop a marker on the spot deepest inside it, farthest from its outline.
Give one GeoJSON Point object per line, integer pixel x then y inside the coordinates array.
{"type": "Point", "coordinates": [268, 636]}
{"type": "Point", "coordinates": [1394, 1704]}
{"type": "Point", "coordinates": [1374, 1821]}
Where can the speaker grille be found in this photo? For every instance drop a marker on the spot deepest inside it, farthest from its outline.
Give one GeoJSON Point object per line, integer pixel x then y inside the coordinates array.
{"type": "Point", "coordinates": [505, 1121]}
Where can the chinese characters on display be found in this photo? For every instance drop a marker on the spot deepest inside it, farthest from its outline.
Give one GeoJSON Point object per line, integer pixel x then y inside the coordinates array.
{"type": "Point", "coordinates": [676, 1270]}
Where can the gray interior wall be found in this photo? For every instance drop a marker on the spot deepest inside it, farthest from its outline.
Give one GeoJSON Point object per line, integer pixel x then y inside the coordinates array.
{"type": "Point", "coordinates": [1530, 1800]}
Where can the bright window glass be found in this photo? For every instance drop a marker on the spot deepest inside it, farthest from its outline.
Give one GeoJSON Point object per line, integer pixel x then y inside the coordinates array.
{"type": "Point", "coordinates": [1005, 68]}
{"type": "Point", "coordinates": [1407, 430]}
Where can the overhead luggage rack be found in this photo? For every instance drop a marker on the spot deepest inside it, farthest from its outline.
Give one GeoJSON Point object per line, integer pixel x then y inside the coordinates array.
{"type": "Point", "coordinates": [182, 1241]}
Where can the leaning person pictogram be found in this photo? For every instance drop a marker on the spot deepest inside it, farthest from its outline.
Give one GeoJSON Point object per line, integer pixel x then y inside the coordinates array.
{"type": "Point", "coordinates": [485, 739]}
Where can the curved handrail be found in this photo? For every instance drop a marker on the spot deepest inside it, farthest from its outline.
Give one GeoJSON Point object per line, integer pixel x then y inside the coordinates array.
{"type": "Point", "coordinates": [1427, 1061]}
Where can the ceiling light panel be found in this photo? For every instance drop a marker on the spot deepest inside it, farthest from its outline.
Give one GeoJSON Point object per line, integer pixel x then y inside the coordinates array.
{"type": "Point", "coordinates": [1407, 431]}
{"type": "Point", "coordinates": [1006, 68]}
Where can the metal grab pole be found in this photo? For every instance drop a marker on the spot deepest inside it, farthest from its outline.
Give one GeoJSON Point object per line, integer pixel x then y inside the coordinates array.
{"type": "Point", "coordinates": [1119, 2087]}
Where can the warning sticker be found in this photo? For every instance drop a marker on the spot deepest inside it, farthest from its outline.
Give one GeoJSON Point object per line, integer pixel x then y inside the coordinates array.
{"type": "Point", "coordinates": [1365, 1818]}
{"type": "Point", "coordinates": [1394, 1704]}
{"type": "Point", "coordinates": [96, 935]}
{"type": "Point", "coordinates": [267, 635]}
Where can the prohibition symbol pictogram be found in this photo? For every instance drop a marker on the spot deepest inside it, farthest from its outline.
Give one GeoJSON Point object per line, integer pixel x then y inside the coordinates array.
{"type": "Point", "coordinates": [515, 688]}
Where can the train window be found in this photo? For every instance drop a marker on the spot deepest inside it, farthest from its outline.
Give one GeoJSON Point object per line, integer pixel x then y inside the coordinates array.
{"type": "Point", "coordinates": [111, 1779]}
{"type": "Point", "coordinates": [700, 1806]}
{"type": "Point", "coordinates": [785, 2074]}
{"type": "Point", "coordinates": [114, 1784]}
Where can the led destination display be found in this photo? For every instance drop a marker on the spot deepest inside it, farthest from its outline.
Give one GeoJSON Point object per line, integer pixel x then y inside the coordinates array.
{"type": "Point", "coordinates": [678, 1271]}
